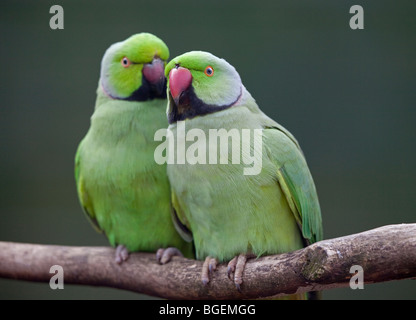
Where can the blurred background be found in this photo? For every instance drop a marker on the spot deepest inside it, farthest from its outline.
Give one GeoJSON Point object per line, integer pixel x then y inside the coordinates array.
{"type": "Point", "coordinates": [349, 96]}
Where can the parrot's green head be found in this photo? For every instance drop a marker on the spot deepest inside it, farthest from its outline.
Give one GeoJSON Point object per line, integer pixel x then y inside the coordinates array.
{"type": "Point", "coordinates": [134, 68]}
{"type": "Point", "coordinates": [200, 84]}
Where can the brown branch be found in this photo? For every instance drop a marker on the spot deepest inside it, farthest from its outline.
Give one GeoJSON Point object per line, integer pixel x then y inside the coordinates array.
{"type": "Point", "coordinates": [386, 253]}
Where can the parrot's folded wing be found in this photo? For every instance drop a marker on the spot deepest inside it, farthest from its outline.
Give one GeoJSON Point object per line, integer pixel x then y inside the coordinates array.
{"type": "Point", "coordinates": [179, 221]}
{"type": "Point", "coordinates": [296, 182]}
{"type": "Point", "coordinates": [83, 194]}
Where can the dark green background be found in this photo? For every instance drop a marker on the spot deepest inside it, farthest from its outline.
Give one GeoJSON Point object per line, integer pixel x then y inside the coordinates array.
{"type": "Point", "coordinates": [347, 95]}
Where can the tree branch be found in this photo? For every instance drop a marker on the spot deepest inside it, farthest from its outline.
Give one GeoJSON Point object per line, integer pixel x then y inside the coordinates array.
{"type": "Point", "coordinates": [385, 254]}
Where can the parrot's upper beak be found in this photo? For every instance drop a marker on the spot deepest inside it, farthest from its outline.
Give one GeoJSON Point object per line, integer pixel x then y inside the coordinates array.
{"type": "Point", "coordinates": [154, 73]}
{"type": "Point", "coordinates": [179, 81]}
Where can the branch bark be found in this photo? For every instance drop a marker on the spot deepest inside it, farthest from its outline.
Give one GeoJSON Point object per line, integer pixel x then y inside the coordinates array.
{"type": "Point", "coordinates": [386, 253]}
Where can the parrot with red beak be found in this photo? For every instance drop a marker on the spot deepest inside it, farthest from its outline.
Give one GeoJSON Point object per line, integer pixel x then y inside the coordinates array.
{"type": "Point", "coordinates": [231, 216]}
{"type": "Point", "coordinates": [124, 193]}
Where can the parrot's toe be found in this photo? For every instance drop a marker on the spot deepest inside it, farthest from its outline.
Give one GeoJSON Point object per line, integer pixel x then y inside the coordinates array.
{"type": "Point", "coordinates": [122, 254]}
{"type": "Point", "coordinates": [237, 265]}
{"type": "Point", "coordinates": [209, 266]}
{"type": "Point", "coordinates": [231, 267]}
{"type": "Point", "coordinates": [163, 256]}
{"type": "Point", "coordinates": [239, 269]}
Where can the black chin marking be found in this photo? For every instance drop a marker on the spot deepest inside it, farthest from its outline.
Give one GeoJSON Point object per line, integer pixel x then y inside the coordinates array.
{"type": "Point", "coordinates": [148, 91]}
{"type": "Point", "coordinates": [190, 106]}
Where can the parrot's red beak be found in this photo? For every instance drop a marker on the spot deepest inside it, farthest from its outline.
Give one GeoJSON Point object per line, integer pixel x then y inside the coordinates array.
{"type": "Point", "coordinates": [179, 81]}
{"type": "Point", "coordinates": [155, 74]}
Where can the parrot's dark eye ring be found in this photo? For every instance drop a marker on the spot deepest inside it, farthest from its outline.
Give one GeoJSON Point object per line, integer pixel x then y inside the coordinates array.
{"type": "Point", "coordinates": [125, 62]}
{"type": "Point", "coordinates": [209, 71]}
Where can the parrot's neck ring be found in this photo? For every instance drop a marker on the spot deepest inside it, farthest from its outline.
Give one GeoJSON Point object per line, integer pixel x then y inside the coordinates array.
{"type": "Point", "coordinates": [190, 106]}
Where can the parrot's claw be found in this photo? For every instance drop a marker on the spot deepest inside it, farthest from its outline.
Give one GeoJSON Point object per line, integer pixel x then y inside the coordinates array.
{"type": "Point", "coordinates": [122, 254]}
{"type": "Point", "coordinates": [212, 265]}
{"type": "Point", "coordinates": [237, 265]}
{"type": "Point", "coordinates": [209, 266]}
{"type": "Point", "coordinates": [231, 267]}
{"type": "Point", "coordinates": [163, 256]}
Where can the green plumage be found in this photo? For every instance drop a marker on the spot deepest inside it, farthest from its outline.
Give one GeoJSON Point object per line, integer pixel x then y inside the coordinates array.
{"type": "Point", "coordinates": [121, 188]}
{"type": "Point", "coordinates": [227, 212]}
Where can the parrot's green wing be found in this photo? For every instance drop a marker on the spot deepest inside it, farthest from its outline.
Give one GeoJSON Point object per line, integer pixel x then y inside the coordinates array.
{"type": "Point", "coordinates": [83, 194]}
{"type": "Point", "coordinates": [179, 221]}
{"type": "Point", "coordinates": [296, 181]}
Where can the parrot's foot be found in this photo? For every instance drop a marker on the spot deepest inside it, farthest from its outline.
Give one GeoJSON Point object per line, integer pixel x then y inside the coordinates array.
{"type": "Point", "coordinates": [165, 255]}
{"type": "Point", "coordinates": [236, 266]}
{"type": "Point", "coordinates": [209, 266]}
{"type": "Point", "coordinates": [121, 254]}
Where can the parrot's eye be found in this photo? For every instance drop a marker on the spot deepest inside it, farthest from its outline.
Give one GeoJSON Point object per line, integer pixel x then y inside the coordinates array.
{"type": "Point", "coordinates": [209, 71]}
{"type": "Point", "coordinates": [125, 62]}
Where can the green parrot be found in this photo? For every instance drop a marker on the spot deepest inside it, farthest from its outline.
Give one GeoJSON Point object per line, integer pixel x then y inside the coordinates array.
{"type": "Point", "coordinates": [232, 215]}
{"type": "Point", "coordinates": [123, 191]}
